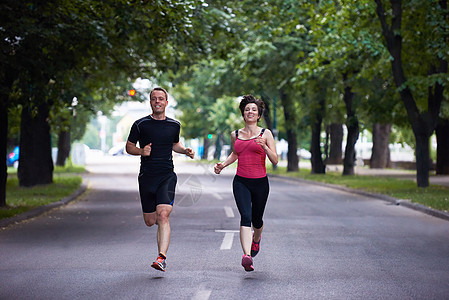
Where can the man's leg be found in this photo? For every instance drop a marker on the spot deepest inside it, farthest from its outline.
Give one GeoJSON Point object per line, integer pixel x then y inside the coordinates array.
{"type": "Point", "coordinates": [163, 231]}
{"type": "Point", "coordinates": [149, 218]}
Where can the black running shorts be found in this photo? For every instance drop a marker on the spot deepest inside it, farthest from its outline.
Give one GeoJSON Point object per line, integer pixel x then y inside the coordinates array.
{"type": "Point", "coordinates": [156, 189]}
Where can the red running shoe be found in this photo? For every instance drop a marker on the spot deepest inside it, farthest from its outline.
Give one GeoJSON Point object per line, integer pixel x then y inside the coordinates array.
{"type": "Point", "coordinates": [247, 263]}
{"type": "Point", "coordinates": [255, 247]}
{"type": "Point", "coordinates": [159, 264]}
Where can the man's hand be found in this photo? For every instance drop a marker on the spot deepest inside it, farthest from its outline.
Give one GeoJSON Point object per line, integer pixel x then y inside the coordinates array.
{"type": "Point", "coordinates": [190, 153]}
{"type": "Point", "coordinates": [146, 150]}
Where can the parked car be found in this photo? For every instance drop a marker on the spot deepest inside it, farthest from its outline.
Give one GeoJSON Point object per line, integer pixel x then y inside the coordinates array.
{"type": "Point", "coordinates": [13, 157]}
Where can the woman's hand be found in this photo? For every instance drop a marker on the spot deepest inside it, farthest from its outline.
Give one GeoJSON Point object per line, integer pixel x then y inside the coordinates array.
{"type": "Point", "coordinates": [218, 167]}
{"type": "Point", "coordinates": [262, 142]}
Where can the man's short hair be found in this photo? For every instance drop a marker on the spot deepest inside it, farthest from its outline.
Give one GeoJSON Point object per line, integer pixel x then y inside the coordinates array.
{"type": "Point", "coordinates": [159, 89]}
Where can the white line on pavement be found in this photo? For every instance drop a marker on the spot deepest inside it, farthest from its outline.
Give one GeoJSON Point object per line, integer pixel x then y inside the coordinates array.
{"type": "Point", "coordinates": [229, 212]}
{"type": "Point", "coordinates": [202, 293]}
{"type": "Point", "coordinates": [217, 195]}
{"type": "Point", "coordinates": [227, 241]}
{"type": "Point", "coordinates": [228, 238]}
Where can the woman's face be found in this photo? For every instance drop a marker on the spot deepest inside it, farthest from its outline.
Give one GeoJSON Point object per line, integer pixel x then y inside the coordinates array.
{"type": "Point", "coordinates": [251, 113]}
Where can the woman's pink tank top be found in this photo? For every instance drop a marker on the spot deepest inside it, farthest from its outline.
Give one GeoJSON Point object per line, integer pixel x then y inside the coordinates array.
{"type": "Point", "coordinates": [251, 158]}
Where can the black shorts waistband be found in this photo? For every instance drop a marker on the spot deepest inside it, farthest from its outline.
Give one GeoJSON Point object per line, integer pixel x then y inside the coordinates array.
{"type": "Point", "coordinates": [251, 179]}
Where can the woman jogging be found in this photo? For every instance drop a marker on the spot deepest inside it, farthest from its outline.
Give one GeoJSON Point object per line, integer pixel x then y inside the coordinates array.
{"type": "Point", "coordinates": [251, 145]}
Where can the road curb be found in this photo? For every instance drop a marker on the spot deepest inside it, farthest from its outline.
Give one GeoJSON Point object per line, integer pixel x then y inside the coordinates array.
{"type": "Point", "coordinates": [44, 208]}
{"type": "Point", "coordinates": [406, 203]}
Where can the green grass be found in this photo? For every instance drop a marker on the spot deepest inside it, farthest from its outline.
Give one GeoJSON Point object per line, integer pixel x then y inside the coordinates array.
{"type": "Point", "coordinates": [434, 196]}
{"type": "Point", "coordinates": [57, 170]}
{"type": "Point", "coordinates": [21, 199]}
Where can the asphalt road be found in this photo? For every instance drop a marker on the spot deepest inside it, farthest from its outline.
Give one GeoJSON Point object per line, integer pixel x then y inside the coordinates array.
{"type": "Point", "coordinates": [318, 243]}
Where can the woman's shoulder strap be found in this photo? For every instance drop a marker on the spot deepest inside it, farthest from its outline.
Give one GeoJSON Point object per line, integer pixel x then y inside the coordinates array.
{"type": "Point", "coordinates": [237, 133]}
{"type": "Point", "coordinates": [262, 131]}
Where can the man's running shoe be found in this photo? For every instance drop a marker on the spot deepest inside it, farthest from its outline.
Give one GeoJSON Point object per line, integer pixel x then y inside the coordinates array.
{"type": "Point", "coordinates": [159, 264]}
{"type": "Point", "coordinates": [247, 263]}
{"type": "Point", "coordinates": [255, 247]}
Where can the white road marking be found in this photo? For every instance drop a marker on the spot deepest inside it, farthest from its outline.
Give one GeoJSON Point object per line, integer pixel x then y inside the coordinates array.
{"type": "Point", "coordinates": [228, 239]}
{"type": "Point", "coordinates": [229, 212]}
{"type": "Point", "coordinates": [202, 293]}
{"type": "Point", "coordinates": [217, 195]}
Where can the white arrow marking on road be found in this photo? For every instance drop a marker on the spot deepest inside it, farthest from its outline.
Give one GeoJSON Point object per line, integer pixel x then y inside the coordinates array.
{"type": "Point", "coordinates": [229, 212]}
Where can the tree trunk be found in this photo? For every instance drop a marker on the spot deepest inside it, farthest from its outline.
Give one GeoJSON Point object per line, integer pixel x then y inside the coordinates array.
{"type": "Point", "coordinates": [206, 143]}
{"type": "Point", "coordinates": [10, 75]}
{"type": "Point", "coordinates": [318, 166]}
{"type": "Point", "coordinates": [35, 161]}
{"type": "Point", "coordinates": [292, 156]}
{"type": "Point", "coordinates": [267, 118]}
{"type": "Point", "coordinates": [380, 155]}
{"type": "Point", "coordinates": [63, 147]}
{"type": "Point", "coordinates": [3, 144]}
{"type": "Point", "coordinates": [336, 140]}
{"type": "Point", "coordinates": [218, 144]}
{"type": "Point", "coordinates": [326, 145]}
{"type": "Point", "coordinates": [266, 115]}
{"type": "Point", "coordinates": [442, 133]}
{"type": "Point", "coordinates": [352, 123]}
{"type": "Point", "coordinates": [422, 159]}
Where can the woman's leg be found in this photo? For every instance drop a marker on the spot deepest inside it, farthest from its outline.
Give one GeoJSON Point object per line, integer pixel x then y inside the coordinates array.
{"type": "Point", "coordinates": [259, 198]}
{"type": "Point", "coordinates": [242, 197]}
{"type": "Point", "coordinates": [246, 237]}
{"type": "Point", "coordinates": [257, 234]}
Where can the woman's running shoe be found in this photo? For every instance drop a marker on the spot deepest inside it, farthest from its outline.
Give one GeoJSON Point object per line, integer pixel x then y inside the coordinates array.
{"type": "Point", "coordinates": [255, 247]}
{"type": "Point", "coordinates": [247, 263]}
{"type": "Point", "coordinates": [159, 264]}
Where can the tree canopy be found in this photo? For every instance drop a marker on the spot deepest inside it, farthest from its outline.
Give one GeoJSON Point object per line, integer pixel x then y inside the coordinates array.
{"type": "Point", "coordinates": [315, 63]}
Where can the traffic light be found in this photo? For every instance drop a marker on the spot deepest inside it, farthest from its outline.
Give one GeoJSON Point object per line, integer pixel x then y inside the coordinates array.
{"type": "Point", "coordinates": [209, 136]}
{"type": "Point", "coordinates": [132, 92]}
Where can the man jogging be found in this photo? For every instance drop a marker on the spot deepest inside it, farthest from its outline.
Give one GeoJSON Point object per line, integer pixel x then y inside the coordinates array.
{"type": "Point", "coordinates": [158, 136]}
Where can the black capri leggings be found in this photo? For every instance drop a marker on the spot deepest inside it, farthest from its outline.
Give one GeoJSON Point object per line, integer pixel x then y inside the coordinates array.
{"type": "Point", "coordinates": [251, 196]}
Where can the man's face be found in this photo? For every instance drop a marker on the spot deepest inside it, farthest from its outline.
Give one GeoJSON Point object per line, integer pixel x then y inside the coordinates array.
{"type": "Point", "coordinates": [158, 102]}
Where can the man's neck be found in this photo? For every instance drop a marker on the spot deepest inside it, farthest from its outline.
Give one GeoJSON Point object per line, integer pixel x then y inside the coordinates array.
{"type": "Point", "coordinates": [158, 116]}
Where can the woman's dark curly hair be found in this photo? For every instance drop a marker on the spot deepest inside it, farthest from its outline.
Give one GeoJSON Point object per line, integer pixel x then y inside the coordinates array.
{"type": "Point", "coordinates": [251, 99]}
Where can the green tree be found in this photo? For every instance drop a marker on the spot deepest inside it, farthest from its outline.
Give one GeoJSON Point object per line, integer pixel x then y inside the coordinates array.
{"type": "Point", "coordinates": [416, 37]}
{"type": "Point", "coordinates": [46, 45]}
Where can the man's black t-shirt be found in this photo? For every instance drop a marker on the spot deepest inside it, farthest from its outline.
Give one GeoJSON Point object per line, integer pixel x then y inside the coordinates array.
{"type": "Point", "coordinates": [162, 134]}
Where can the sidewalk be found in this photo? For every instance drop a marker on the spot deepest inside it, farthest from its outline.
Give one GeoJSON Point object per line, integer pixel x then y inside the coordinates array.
{"type": "Point", "coordinates": [397, 173]}
{"type": "Point", "coordinates": [365, 170]}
